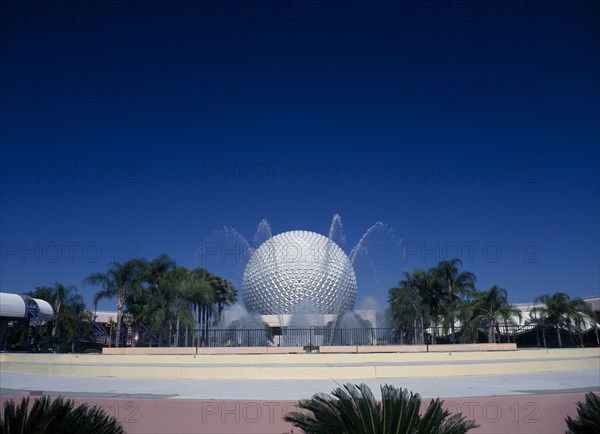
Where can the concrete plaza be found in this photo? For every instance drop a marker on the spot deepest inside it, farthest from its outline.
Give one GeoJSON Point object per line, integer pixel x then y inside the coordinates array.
{"type": "Point", "coordinates": [535, 401]}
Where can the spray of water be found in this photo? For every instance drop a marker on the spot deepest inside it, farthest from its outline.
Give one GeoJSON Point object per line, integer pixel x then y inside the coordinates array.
{"type": "Point", "coordinates": [360, 249]}
{"type": "Point", "coordinates": [360, 246]}
{"type": "Point", "coordinates": [230, 236]}
{"type": "Point", "coordinates": [336, 230]}
{"type": "Point", "coordinates": [262, 234]}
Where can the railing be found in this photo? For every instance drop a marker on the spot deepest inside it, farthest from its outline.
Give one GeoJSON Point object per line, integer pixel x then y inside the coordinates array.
{"type": "Point", "coordinates": [523, 336]}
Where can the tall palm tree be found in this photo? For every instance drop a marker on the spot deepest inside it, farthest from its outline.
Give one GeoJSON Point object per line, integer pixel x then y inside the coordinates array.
{"type": "Point", "coordinates": [224, 293]}
{"type": "Point", "coordinates": [164, 303]}
{"type": "Point", "coordinates": [200, 294]}
{"type": "Point", "coordinates": [154, 299]}
{"type": "Point", "coordinates": [492, 306]}
{"type": "Point", "coordinates": [406, 307]}
{"type": "Point", "coordinates": [179, 305]}
{"type": "Point", "coordinates": [457, 284]}
{"type": "Point", "coordinates": [554, 308]}
{"type": "Point", "coordinates": [435, 295]}
{"type": "Point", "coordinates": [70, 313]}
{"type": "Point", "coordinates": [56, 416]}
{"type": "Point", "coordinates": [579, 316]}
{"type": "Point", "coordinates": [62, 296]}
{"type": "Point", "coordinates": [430, 297]}
{"type": "Point", "coordinates": [559, 308]}
{"type": "Point", "coordinates": [119, 281]}
{"type": "Point", "coordinates": [537, 317]}
{"type": "Point", "coordinates": [353, 410]}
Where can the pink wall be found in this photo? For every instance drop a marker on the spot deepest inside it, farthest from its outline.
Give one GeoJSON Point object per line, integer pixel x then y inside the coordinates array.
{"type": "Point", "coordinates": [503, 414]}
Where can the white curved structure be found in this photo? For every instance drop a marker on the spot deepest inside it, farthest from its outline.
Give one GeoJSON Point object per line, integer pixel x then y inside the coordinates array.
{"type": "Point", "coordinates": [45, 311]}
{"type": "Point", "coordinates": [299, 272]}
{"type": "Point", "coordinates": [12, 306]}
{"type": "Point", "coordinates": [20, 306]}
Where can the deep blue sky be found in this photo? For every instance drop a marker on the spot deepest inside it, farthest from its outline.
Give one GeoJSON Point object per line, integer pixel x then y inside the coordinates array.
{"type": "Point", "coordinates": [139, 128]}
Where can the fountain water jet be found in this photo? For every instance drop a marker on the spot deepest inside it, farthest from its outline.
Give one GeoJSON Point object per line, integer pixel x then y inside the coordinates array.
{"type": "Point", "coordinates": [307, 315]}
{"type": "Point", "coordinates": [336, 231]}
{"type": "Point", "coordinates": [262, 234]}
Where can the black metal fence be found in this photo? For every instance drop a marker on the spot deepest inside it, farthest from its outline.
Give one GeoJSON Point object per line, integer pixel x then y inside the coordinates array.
{"type": "Point", "coordinates": [528, 336]}
{"type": "Point", "coordinates": [523, 336]}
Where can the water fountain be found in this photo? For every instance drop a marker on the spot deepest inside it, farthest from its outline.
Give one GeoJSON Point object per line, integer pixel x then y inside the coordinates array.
{"type": "Point", "coordinates": [298, 321]}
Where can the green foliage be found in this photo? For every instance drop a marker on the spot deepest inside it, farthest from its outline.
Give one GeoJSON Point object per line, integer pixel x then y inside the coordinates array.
{"type": "Point", "coordinates": [71, 319]}
{"type": "Point", "coordinates": [561, 311]}
{"type": "Point", "coordinates": [420, 299]}
{"type": "Point", "coordinates": [164, 296]}
{"type": "Point", "coordinates": [57, 416]}
{"type": "Point", "coordinates": [120, 282]}
{"type": "Point", "coordinates": [491, 307]}
{"type": "Point", "coordinates": [353, 410]}
{"type": "Point", "coordinates": [224, 294]}
{"type": "Point", "coordinates": [588, 417]}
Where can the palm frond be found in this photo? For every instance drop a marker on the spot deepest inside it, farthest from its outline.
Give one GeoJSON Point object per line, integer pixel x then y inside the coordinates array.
{"type": "Point", "coordinates": [353, 409]}
{"type": "Point", "coordinates": [588, 416]}
{"type": "Point", "coordinates": [57, 416]}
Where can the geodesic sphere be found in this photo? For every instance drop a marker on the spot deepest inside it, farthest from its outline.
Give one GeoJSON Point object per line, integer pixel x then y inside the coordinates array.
{"type": "Point", "coordinates": [299, 270]}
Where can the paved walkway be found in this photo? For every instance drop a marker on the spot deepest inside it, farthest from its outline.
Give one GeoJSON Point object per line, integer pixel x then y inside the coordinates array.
{"type": "Point", "coordinates": [461, 386]}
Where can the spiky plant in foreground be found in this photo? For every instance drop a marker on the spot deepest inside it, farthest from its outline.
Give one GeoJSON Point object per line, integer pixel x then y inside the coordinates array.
{"type": "Point", "coordinates": [57, 416]}
{"type": "Point", "coordinates": [353, 409]}
{"type": "Point", "coordinates": [588, 416]}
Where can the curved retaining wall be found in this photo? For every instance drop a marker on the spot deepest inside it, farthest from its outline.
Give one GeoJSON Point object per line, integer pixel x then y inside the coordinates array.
{"type": "Point", "coordinates": [305, 366]}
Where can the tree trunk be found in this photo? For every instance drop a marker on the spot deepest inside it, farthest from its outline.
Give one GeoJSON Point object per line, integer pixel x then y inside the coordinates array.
{"type": "Point", "coordinates": [120, 303]}
{"type": "Point", "coordinates": [195, 316]}
{"type": "Point", "coordinates": [596, 330]}
{"type": "Point", "coordinates": [544, 336]}
{"type": "Point", "coordinates": [206, 320]}
{"type": "Point", "coordinates": [56, 317]}
{"type": "Point", "coordinates": [451, 316]}
{"type": "Point", "coordinates": [558, 335]}
{"type": "Point", "coordinates": [202, 324]}
{"type": "Point", "coordinates": [414, 331]}
{"type": "Point", "coordinates": [177, 332]}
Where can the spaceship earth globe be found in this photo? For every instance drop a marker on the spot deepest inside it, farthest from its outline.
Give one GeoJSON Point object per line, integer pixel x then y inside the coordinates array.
{"type": "Point", "coordinates": [299, 269]}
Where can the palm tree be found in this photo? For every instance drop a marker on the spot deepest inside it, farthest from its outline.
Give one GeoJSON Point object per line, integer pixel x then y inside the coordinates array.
{"type": "Point", "coordinates": [58, 416]}
{"type": "Point", "coordinates": [353, 409]}
{"type": "Point", "coordinates": [457, 283]}
{"type": "Point", "coordinates": [224, 294]}
{"type": "Point", "coordinates": [580, 314]}
{"type": "Point", "coordinates": [156, 299]}
{"type": "Point", "coordinates": [559, 308]}
{"type": "Point", "coordinates": [178, 305]}
{"type": "Point", "coordinates": [492, 306]}
{"type": "Point", "coordinates": [118, 282]}
{"type": "Point", "coordinates": [70, 314]}
{"type": "Point", "coordinates": [62, 296]}
{"type": "Point", "coordinates": [588, 416]}
{"type": "Point", "coordinates": [537, 317]}
{"type": "Point", "coordinates": [554, 309]}
{"type": "Point", "coordinates": [200, 294]}
{"type": "Point", "coordinates": [435, 296]}
{"type": "Point", "coordinates": [406, 307]}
